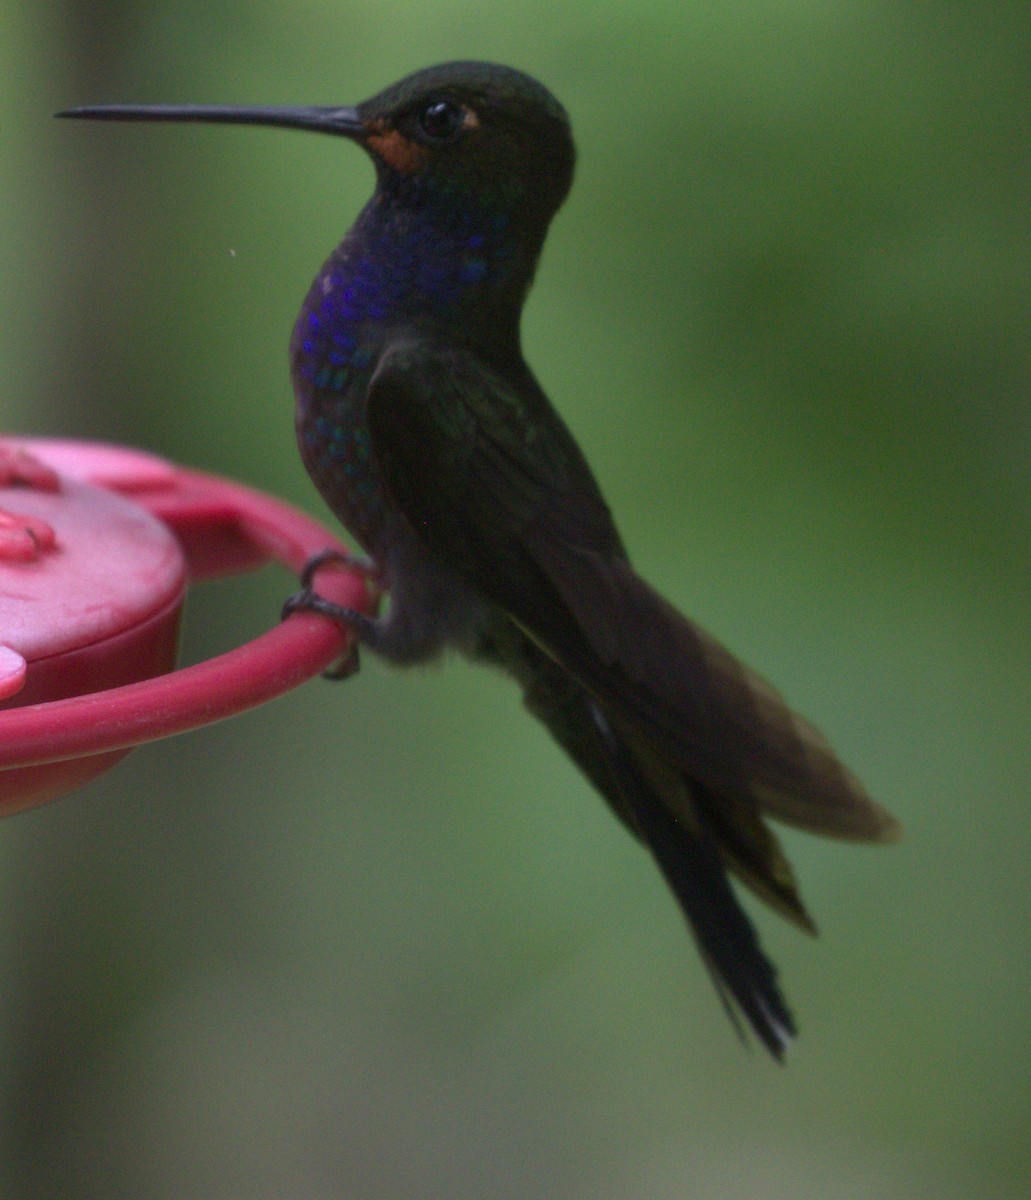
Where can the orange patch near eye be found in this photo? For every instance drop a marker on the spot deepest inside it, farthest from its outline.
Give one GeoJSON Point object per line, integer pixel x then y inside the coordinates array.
{"type": "Point", "coordinates": [396, 150]}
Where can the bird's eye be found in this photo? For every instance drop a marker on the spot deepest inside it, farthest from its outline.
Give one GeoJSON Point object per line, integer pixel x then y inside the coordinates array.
{"type": "Point", "coordinates": [442, 120]}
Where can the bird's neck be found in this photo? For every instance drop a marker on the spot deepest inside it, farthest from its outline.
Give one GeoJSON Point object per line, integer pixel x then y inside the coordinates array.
{"type": "Point", "coordinates": [434, 256]}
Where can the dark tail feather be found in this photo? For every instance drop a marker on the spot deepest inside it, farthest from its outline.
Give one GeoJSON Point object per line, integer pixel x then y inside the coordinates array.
{"type": "Point", "coordinates": [689, 860]}
{"type": "Point", "coordinates": [694, 871]}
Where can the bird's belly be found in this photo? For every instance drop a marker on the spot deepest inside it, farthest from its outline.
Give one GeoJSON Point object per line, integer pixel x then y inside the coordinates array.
{"type": "Point", "coordinates": [431, 608]}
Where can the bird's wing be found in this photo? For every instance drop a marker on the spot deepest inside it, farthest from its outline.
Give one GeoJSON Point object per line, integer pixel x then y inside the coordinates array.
{"type": "Point", "coordinates": [490, 478]}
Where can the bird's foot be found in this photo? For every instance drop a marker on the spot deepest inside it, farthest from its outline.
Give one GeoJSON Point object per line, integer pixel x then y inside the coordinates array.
{"type": "Point", "coordinates": [340, 558]}
{"type": "Point", "coordinates": [308, 600]}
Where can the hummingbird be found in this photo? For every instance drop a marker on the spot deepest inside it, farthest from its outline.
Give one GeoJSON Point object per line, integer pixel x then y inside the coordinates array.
{"type": "Point", "coordinates": [429, 437]}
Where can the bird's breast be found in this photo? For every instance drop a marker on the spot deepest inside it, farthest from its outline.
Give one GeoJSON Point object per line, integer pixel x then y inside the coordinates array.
{"type": "Point", "coordinates": [396, 270]}
{"type": "Point", "coordinates": [336, 344]}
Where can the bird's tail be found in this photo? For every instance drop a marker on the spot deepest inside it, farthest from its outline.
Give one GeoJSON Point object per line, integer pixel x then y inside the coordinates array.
{"type": "Point", "coordinates": [694, 870]}
{"type": "Point", "coordinates": [635, 784]}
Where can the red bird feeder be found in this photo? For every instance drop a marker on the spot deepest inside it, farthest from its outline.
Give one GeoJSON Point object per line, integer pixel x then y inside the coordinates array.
{"type": "Point", "coordinates": [97, 547]}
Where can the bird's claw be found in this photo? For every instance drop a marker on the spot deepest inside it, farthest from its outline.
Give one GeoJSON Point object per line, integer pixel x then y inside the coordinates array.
{"type": "Point", "coordinates": [308, 600]}
{"type": "Point", "coordinates": [345, 666]}
{"type": "Point", "coordinates": [341, 558]}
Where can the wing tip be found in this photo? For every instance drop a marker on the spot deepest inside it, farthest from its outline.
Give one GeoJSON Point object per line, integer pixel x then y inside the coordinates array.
{"type": "Point", "coordinates": [888, 830]}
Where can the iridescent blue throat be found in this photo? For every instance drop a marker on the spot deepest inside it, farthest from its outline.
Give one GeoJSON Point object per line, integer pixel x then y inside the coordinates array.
{"type": "Point", "coordinates": [401, 263]}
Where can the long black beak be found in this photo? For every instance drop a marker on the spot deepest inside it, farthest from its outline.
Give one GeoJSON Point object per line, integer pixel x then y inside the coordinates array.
{"type": "Point", "coordinates": [344, 122]}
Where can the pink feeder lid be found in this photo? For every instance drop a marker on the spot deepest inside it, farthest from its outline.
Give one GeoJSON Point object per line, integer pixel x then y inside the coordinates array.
{"type": "Point", "coordinates": [98, 607]}
{"type": "Point", "coordinates": [91, 589]}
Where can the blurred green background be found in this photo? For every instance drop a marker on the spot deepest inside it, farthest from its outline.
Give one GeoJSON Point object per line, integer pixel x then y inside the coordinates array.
{"type": "Point", "coordinates": [379, 939]}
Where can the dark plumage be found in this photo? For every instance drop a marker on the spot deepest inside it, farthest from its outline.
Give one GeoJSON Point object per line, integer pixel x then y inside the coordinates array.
{"type": "Point", "coordinates": [428, 435]}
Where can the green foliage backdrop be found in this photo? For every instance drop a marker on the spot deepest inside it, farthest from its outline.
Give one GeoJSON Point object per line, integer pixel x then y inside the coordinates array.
{"type": "Point", "coordinates": [380, 939]}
